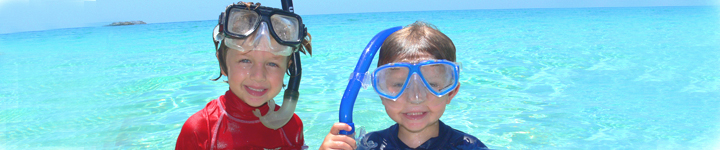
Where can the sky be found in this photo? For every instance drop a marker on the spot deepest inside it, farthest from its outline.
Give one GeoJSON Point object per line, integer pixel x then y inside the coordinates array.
{"type": "Point", "coordinates": [36, 15]}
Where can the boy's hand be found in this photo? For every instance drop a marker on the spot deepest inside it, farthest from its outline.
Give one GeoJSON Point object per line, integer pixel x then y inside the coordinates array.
{"type": "Point", "coordinates": [336, 141]}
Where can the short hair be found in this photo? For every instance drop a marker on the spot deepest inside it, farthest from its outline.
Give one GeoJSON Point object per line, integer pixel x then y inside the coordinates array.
{"type": "Point", "coordinates": [414, 40]}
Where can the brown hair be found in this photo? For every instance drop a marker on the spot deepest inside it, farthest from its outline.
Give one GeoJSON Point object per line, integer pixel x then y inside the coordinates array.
{"type": "Point", "coordinates": [414, 40]}
{"type": "Point", "coordinates": [305, 47]}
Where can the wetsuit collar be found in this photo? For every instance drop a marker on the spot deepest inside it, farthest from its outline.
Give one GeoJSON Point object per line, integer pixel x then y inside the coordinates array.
{"type": "Point", "coordinates": [237, 108]}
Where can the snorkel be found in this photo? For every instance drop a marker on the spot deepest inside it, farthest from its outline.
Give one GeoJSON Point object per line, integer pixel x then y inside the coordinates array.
{"type": "Point", "coordinates": [276, 119]}
{"type": "Point", "coordinates": [353, 87]}
{"type": "Point", "coordinates": [272, 119]}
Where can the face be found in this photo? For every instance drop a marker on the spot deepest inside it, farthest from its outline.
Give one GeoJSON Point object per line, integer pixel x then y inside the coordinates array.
{"type": "Point", "coordinates": [416, 109]}
{"type": "Point", "coordinates": [255, 76]}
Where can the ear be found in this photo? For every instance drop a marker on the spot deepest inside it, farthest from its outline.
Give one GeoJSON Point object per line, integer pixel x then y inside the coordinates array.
{"type": "Point", "coordinates": [222, 71]}
{"type": "Point", "coordinates": [452, 93]}
{"type": "Point", "coordinates": [289, 61]}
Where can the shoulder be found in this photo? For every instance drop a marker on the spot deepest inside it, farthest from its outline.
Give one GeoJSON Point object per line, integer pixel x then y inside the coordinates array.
{"type": "Point", "coordinates": [381, 134]}
{"type": "Point", "coordinates": [204, 116]}
{"type": "Point", "coordinates": [195, 130]}
{"type": "Point", "coordinates": [463, 140]}
{"type": "Point", "coordinates": [294, 124]}
{"type": "Point", "coordinates": [378, 139]}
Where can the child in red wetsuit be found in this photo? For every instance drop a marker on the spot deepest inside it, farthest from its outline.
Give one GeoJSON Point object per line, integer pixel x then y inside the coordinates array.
{"type": "Point", "coordinates": [256, 46]}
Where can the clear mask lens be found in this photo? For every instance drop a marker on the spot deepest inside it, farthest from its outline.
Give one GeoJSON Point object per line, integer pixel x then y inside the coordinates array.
{"type": "Point", "coordinates": [242, 21]}
{"type": "Point", "coordinates": [439, 78]}
{"type": "Point", "coordinates": [261, 40]}
{"type": "Point", "coordinates": [286, 27]}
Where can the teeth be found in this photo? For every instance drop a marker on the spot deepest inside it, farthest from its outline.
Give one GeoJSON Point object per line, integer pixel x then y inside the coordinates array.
{"type": "Point", "coordinates": [414, 114]}
{"type": "Point", "coordinates": [259, 90]}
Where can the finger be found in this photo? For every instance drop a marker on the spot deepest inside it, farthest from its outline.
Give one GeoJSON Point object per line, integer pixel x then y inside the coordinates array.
{"type": "Point", "coordinates": [347, 139]}
{"type": "Point", "coordinates": [341, 145]}
{"type": "Point", "coordinates": [335, 130]}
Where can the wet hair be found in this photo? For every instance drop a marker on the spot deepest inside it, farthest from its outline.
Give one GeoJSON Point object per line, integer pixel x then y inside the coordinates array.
{"type": "Point", "coordinates": [305, 47]}
{"type": "Point", "coordinates": [414, 41]}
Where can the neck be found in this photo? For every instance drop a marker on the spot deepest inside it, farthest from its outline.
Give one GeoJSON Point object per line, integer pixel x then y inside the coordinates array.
{"type": "Point", "coordinates": [235, 107]}
{"type": "Point", "coordinates": [413, 139]}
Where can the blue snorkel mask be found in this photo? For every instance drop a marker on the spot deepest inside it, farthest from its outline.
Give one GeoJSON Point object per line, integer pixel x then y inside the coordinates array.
{"type": "Point", "coordinates": [438, 77]}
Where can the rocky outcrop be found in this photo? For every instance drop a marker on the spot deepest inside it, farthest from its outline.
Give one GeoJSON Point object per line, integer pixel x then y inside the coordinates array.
{"type": "Point", "coordinates": [124, 23]}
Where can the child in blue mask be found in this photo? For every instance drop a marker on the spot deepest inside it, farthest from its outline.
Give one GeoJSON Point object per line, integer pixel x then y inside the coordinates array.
{"type": "Point", "coordinates": [416, 78]}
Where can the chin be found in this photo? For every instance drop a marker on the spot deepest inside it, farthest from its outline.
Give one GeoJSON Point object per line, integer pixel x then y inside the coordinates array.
{"type": "Point", "coordinates": [254, 102]}
{"type": "Point", "coordinates": [415, 126]}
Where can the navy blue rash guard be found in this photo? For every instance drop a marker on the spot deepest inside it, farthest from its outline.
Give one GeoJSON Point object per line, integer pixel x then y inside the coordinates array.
{"type": "Point", "coordinates": [447, 139]}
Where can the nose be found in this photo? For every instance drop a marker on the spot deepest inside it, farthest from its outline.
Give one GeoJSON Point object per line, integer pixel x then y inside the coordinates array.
{"type": "Point", "coordinates": [257, 72]}
{"type": "Point", "coordinates": [415, 90]}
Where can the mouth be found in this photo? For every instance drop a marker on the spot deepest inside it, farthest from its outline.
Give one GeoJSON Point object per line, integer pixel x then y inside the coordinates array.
{"type": "Point", "coordinates": [415, 115]}
{"type": "Point", "coordinates": [257, 91]}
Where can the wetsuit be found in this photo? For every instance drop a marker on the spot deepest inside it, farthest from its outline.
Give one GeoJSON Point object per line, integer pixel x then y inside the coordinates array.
{"type": "Point", "coordinates": [228, 123]}
{"type": "Point", "coordinates": [447, 139]}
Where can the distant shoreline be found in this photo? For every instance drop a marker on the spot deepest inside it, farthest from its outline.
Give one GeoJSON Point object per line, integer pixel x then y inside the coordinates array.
{"type": "Point", "coordinates": [125, 23]}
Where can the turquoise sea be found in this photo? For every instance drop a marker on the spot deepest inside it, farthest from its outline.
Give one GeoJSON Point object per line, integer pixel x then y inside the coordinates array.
{"type": "Point", "coordinates": [575, 78]}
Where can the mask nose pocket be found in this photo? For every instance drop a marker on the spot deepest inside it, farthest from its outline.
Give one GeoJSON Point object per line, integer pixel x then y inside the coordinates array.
{"type": "Point", "coordinates": [416, 91]}
{"type": "Point", "coordinates": [261, 39]}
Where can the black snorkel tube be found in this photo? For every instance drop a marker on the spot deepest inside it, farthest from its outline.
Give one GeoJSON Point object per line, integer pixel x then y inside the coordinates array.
{"type": "Point", "coordinates": [277, 119]}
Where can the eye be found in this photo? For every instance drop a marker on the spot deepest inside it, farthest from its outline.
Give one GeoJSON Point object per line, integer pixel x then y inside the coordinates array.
{"type": "Point", "coordinates": [434, 85]}
{"type": "Point", "coordinates": [397, 85]}
{"type": "Point", "coordinates": [244, 61]}
{"type": "Point", "coordinates": [272, 64]}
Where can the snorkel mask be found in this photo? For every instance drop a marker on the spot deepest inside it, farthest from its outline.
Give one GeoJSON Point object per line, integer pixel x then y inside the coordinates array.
{"type": "Point", "coordinates": [438, 77]}
{"type": "Point", "coordinates": [248, 26]}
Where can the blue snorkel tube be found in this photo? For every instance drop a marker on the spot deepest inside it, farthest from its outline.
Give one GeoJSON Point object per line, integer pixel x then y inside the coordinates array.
{"type": "Point", "coordinates": [353, 87]}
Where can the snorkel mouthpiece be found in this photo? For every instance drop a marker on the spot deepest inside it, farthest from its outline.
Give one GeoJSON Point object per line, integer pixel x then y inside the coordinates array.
{"type": "Point", "coordinates": [277, 119]}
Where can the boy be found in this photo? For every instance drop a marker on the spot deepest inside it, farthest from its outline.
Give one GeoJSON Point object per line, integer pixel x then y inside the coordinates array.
{"type": "Point", "coordinates": [416, 78]}
{"type": "Point", "coordinates": [255, 45]}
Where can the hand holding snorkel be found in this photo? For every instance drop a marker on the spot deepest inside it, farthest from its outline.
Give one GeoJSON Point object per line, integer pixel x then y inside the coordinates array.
{"type": "Point", "coordinates": [249, 26]}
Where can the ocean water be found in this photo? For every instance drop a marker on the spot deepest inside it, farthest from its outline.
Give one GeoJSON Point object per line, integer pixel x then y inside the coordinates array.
{"type": "Point", "coordinates": [580, 78]}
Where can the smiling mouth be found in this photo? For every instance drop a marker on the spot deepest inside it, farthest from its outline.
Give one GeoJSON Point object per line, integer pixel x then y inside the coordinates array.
{"type": "Point", "coordinates": [254, 89]}
{"type": "Point", "coordinates": [415, 115]}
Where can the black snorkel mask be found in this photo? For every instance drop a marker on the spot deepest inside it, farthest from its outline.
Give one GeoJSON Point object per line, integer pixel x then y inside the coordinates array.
{"type": "Point", "coordinates": [286, 28]}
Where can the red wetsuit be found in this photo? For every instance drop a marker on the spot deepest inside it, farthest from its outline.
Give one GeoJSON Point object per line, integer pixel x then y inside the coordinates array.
{"type": "Point", "coordinates": [228, 123]}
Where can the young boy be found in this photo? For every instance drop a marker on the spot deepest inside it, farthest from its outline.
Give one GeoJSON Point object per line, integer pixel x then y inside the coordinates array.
{"type": "Point", "coordinates": [416, 78]}
{"type": "Point", "coordinates": [254, 48]}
